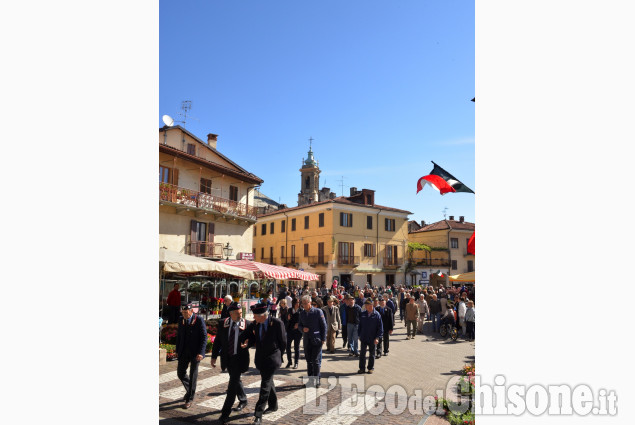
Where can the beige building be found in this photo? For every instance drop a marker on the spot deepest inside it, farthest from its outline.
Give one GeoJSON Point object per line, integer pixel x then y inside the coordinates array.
{"type": "Point", "coordinates": [448, 240]}
{"type": "Point", "coordinates": [205, 199]}
{"type": "Point", "coordinates": [349, 238]}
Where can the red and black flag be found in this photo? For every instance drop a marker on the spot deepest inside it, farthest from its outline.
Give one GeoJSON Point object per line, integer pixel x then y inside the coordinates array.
{"type": "Point", "coordinates": [442, 181]}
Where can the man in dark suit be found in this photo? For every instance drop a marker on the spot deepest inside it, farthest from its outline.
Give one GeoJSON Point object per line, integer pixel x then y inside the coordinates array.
{"type": "Point", "coordinates": [191, 340]}
{"type": "Point", "coordinates": [313, 327]}
{"type": "Point", "coordinates": [388, 322]}
{"type": "Point", "coordinates": [233, 357]}
{"type": "Point", "coordinates": [270, 339]}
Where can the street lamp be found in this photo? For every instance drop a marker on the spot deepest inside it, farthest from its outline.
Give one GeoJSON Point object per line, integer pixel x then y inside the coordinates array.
{"type": "Point", "coordinates": [227, 250]}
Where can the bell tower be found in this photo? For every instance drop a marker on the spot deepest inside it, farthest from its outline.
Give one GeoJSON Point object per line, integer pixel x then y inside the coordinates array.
{"type": "Point", "coordinates": [309, 179]}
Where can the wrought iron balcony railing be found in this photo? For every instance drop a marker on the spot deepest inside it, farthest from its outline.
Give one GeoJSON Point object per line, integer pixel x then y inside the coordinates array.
{"type": "Point", "coordinates": [317, 260]}
{"type": "Point", "coordinates": [180, 195]}
{"type": "Point", "coordinates": [205, 249]}
{"type": "Point", "coordinates": [347, 260]}
{"type": "Point", "coordinates": [393, 261]}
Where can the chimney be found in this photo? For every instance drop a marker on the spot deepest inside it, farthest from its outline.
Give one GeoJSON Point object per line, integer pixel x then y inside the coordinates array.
{"type": "Point", "coordinates": [451, 218]}
{"type": "Point", "coordinates": [212, 139]}
{"type": "Point", "coordinates": [353, 191]}
{"type": "Point", "coordinates": [423, 223]}
{"type": "Point", "coordinates": [461, 219]}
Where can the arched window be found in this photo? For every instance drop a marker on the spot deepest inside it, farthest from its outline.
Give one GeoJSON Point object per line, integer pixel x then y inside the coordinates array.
{"type": "Point", "coordinates": [307, 182]}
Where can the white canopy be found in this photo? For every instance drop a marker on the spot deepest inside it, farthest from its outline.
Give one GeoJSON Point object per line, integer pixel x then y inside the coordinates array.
{"type": "Point", "coordinates": [182, 263]}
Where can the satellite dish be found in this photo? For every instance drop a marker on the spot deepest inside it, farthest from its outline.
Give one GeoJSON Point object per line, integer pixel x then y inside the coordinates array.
{"type": "Point", "coordinates": [167, 120]}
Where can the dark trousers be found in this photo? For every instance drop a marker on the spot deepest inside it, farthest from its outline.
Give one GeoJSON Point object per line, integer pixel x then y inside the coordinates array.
{"type": "Point", "coordinates": [173, 314]}
{"type": "Point", "coordinates": [344, 334]}
{"type": "Point", "coordinates": [470, 330]}
{"type": "Point", "coordinates": [234, 388]}
{"type": "Point", "coordinates": [401, 310]}
{"type": "Point", "coordinates": [189, 383]}
{"type": "Point", "coordinates": [362, 355]}
{"type": "Point", "coordinates": [293, 337]}
{"type": "Point", "coordinates": [313, 354]}
{"type": "Point", "coordinates": [383, 343]}
{"type": "Point", "coordinates": [267, 395]}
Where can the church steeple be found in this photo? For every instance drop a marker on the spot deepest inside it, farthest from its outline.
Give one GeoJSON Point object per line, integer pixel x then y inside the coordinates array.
{"type": "Point", "coordinates": [310, 178]}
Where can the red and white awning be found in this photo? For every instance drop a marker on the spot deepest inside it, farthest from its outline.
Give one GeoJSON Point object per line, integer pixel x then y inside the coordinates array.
{"type": "Point", "coordinates": [269, 271]}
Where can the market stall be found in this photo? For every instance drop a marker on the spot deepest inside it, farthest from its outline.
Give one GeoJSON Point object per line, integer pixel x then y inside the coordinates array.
{"type": "Point", "coordinates": [268, 276]}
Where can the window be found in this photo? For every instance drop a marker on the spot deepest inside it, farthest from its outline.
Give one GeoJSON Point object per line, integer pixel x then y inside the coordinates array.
{"type": "Point", "coordinates": [454, 242]}
{"type": "Point", "coordinates": [262, 253]}
{"type": "Point", "coordinates": [321, 220]}
{"type": "Point", "coordinates": [293, 224]}
{"type": "Point", "coordinates": [389, 224]}
{"type": "Point", "coordinates": [390, 254]}
{"type": "Point", "coordinates": [467, 243]}
{"type": "Point", "coordinates": [270, 255]}
{"type": "Point", "coordinates": [369, 250]}
{"type": "Point", "coordinates": [255, 230]}
{"type": "Point", "coordinates": [283, 226]}
{"type": "Point", "coordinates": [201, 238]}
{"type": "Point", "coordinates": [168, 175]}
{"type": "Point", "coordinates": [346, 220]}
{"type": "Point", "coordinates": [191, 149]}
{"type": "Point", "coordinates": [470, 266]}
{"type": "Point", "coordinates": [306, 250]}
{"type": "Point", "coordinates": [346, 253]}
{"type": "Point", "coordinates": [321, 253]}
{"type": "Point", "coordinates": [293, 253]}
{"type": "Point", "coordinates": [206, 186]}
{"type": "Point", "coordinates": [390, 279]}
{"type": "Point", "coordinates": [306, 222]}
{"type": "Point", "coordinates": [233, 193]}
{"type": "Point", "coordinates": [369, 222]}
{"type": "Point", "coordinates": [454, 267]}
{"type": "Point", "coordinates": [263, 229]}
{"type": "Point", "coordinates": [271, 227]}
{"type": "Point", "coordinates": [282, 253]}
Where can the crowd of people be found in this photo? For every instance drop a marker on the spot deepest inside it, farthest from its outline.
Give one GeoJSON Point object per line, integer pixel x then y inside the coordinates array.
{"type": "Point", "coordinates": [365, 318]}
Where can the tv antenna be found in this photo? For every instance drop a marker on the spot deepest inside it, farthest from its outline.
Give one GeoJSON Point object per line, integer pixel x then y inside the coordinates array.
{"type": "Point", "coordinates": [444, 212]}
{"type": "Point", "coordinates": [342, 184]}
{"type": "Point", "coordinates": [186, 106]}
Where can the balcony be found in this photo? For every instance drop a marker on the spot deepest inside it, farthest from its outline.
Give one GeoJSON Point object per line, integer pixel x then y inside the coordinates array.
{"type": "Point", "coordinates": [393, 261]}
{"type": "Point", "coordinates": [268, 260]}
{"type": "Point", "coordinates": [347, 260]}
{"type": "Point", "coordinates": [431, 262]}
{"type": "Point", "coordinates": [205, 249]}
{"type": "Point", "coordinates": [286, 261]}
{"type": "Point", "coordinates": [317, 261]}
{"type": "Point", "coordinates": [187, 197]}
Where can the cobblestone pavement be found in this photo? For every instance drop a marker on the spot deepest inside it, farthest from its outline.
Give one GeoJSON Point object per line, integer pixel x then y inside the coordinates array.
{"type": "Point", "coordinates": [420, 366]}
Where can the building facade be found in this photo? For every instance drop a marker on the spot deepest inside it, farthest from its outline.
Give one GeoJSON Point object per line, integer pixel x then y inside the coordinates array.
{"type": "Point", "coordinates": [348, 238]}
{"type": "Point", "coordinates": [448, 240]}
{"type": "Point", "coordinates": [205, 199]}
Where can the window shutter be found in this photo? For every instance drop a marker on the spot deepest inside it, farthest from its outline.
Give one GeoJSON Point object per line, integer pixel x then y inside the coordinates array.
{"type": "Point", "coordinates": [394, 252]}
{"type": "Point", "coordinates": [193, 249]}
{"type": "Point", "coordinates": [350, 222]}
{"type": "Point", "coordinates": [351, 250]}
{"type": "Point", "coordinates": [210, 232]}
{"type": "Point", "coordinates": [175, 176]}
{"type": "Point", "coordinates": [341, 219]}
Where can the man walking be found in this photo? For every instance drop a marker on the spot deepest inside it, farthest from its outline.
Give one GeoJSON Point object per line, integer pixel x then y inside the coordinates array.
{"type": "Point", "coordinates": [412, 317]}
{"type": "Point", "coordinates": [233, 357]}
{"type": "Point", "coordinates": [313, 327]}
{"type": "Point", "coordinates": [343, 306]}
{"type": "Point", "coordinates": [224, 314]}
{"type": "Point", "coordinates": [352, 322]}
{"type": "Point", "coordinates": [435, 313]}
{"type": "Point", "coordinates": [191, 340]}
{"type": "Point", "coordinates": [267, 335]}
{"type": "Point", "coordinates": [333, 323]}
{"type": "Point", "coordinates": [370, 332]}
{"type": "Point", "coordinates": [388, 322]}
{"type": "Point", "coordinates": [174, 304]}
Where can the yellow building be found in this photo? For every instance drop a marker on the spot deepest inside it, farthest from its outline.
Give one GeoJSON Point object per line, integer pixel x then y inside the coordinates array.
{"type": "Point", "coordinates": [205, 199]}
{"type": "Point", "coordinates": [348, 238]}
{"type": "Point", "coordinates": [448, 240]}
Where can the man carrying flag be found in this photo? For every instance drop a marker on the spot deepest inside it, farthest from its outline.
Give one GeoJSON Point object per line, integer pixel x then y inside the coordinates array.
{"type": "Point", "coordinates": [442, 181]}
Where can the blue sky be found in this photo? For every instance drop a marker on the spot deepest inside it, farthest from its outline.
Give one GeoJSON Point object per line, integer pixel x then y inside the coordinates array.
{"type": "Point", "coordinates": [382, 87]}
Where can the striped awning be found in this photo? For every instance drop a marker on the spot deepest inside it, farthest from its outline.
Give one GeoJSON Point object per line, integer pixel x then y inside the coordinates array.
{"type": "Point", "coordinates": [463, 277]}
{"type": "Point", "coordinates": [269, 271]}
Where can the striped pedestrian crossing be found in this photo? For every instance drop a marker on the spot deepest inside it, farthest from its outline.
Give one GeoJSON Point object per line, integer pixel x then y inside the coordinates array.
{"type": "Point", "coordinates": [251, 390]}
{"type": "Point", "coordinates": [171, 376]}
{"type": "Point", "coordinates": [203, 384]}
